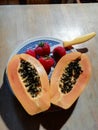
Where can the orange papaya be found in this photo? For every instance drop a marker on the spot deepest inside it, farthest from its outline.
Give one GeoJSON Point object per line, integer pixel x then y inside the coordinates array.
{"type": "Point", "coordinates": [69, 79]}
{"type": "Point", "coordinates": [31, 86]}
{"type": "Point", "coordinates": [29, 83]}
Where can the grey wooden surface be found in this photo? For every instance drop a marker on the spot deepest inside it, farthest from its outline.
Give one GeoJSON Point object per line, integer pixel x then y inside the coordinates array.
{"type": "Point", "coordinates": [62, 21]}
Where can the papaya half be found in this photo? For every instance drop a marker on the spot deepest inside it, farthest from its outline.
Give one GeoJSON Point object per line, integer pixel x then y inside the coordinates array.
{"type": "Point", "coordinates": [31, 86]}
{"type": "Point", "coordinates": [29, 82]}
{"type": "Point", "coordinates": [69, 79]}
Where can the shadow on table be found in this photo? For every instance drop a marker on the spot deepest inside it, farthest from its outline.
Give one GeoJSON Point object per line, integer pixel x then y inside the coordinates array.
{"type": "Point", "coordinates": [82, 50]}
{"type": "Point", "coordinates": [16, 118]}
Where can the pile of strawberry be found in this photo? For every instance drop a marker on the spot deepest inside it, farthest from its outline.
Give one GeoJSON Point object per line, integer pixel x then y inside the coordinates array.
{"type": "Point", "coordinates": [47, 58]}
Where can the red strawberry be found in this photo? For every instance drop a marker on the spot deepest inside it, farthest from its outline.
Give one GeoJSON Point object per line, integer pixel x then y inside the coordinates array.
{"type": "Point", "coordinates": [47, 63]}
{"type": "Point", "coordinates": [42, 49]}
{"type": "Point", "coordinates": [58, 52]}
{"type": "Point", "coordinates": [31, 52]}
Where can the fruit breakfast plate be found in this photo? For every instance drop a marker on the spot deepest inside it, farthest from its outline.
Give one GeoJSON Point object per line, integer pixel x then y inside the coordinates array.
{"type": "Point", "coordinates": [26, 69]}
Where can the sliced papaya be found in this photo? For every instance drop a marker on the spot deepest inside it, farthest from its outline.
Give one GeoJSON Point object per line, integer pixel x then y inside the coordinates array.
{"type": "Point", "coordinates": [69, 79]}
{"type": "Point", "coordinates": [29, 82]}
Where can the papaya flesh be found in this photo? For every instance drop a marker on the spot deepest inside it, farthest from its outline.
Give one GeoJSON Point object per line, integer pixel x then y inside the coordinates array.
{"type": "Point", "coordinates": [69, 79]}
{"type": "Point", "coordinates": [29, 83]}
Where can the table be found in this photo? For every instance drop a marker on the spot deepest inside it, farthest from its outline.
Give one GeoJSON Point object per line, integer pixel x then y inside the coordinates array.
{"type": "Point", "coordinates": [65, 22]}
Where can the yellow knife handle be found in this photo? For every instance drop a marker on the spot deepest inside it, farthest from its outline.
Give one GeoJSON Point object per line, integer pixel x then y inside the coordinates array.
{"type": "Point", "coordinates": [79, 40]}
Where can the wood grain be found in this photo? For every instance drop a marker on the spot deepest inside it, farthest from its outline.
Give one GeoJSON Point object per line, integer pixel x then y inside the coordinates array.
{"type": "Point", "coordinates": [62, 21]}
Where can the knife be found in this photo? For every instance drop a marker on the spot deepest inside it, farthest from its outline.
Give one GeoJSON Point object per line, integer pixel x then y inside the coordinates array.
{"type": "Point", "coordinates": [79, 40]}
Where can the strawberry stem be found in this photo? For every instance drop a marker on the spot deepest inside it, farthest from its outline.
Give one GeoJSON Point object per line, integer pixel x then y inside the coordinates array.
{"type": "Point", "coordinates": [46, 57]}
{"type": "Point", "coordinates": [41, 44]}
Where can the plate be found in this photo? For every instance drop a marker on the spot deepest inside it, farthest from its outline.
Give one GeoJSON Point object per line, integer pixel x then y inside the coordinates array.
{"type": "Point", "coordinates": [32, 43]}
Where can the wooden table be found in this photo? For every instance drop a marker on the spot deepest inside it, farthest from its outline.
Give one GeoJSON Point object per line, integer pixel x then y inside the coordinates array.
{"type": "Point", "coordinates": [62, 21]}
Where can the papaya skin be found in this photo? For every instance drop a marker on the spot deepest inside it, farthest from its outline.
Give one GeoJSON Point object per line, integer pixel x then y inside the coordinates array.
{"type": "Point", "coordinates": [66, 100]}
{"type": "Point", "coordinates": [31, 105]}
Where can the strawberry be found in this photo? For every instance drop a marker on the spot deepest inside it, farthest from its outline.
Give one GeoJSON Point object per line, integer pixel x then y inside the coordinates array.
{"type": "Point", "coordinates": [42, 49]}
{"type": "Point", "coordinates": [47, 63]}
{"type": "Point", "coordinates": [31, 52]}
{"type": "Point", "coordinates": [58, 52]}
